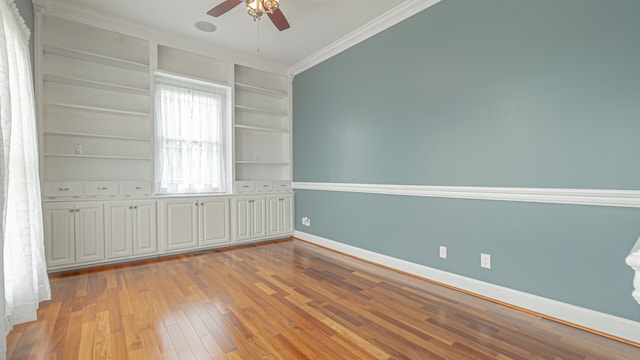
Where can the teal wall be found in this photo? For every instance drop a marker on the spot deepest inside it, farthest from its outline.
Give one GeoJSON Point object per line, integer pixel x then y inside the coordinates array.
{"type": "Point", "coordinates": [537, 93]}
{"type": "Point", "coordinates": [25, 8]}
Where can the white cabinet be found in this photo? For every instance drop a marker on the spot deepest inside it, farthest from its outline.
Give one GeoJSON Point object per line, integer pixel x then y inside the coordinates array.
{"type": "Point", "coordinates": [249, 218]}
{"type": "Point", "coordinates": [130, 229]}
{"type": "Point", "coordinates": [73, 233]}
{"type": "Point", "coordinates": [192, 223]}
{"type": "Point", "coordinates": [279, 214]}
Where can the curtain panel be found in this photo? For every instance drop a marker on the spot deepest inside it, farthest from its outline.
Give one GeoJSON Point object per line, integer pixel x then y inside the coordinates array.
{"type": "Point", "coordinates": [24, 278]}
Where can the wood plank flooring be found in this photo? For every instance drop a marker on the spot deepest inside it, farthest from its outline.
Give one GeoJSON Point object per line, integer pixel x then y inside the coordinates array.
{"type": "Point", "coordinates": [283, 300]}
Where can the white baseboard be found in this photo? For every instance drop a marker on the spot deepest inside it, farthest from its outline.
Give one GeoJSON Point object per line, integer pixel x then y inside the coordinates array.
{"type": "Point", "coordinates": [601, 322]}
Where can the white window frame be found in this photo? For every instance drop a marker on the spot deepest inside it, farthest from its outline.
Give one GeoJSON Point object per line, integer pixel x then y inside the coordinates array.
{"type": "Point", "coordinates": [226, 139]}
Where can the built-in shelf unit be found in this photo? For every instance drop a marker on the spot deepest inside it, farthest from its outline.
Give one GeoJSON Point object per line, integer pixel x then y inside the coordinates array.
{"type": "Point", "coordinates": [96, 113]}
{"type": "Point", "coordinates": [95, 89]}
{"type": "Point", "coordinates": [262, 126]}
{"type": "Point", "coordinates": [95, 104]}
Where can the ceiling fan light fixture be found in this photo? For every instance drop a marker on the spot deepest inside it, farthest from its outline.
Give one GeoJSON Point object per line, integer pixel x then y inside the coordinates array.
{"type": "Point", "coordinates": [256, 8]}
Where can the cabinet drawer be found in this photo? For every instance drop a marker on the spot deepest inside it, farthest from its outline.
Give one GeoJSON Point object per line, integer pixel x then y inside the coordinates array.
{"type": "Point", "coordinates": [100, 188]}
{"type": "Point", "coordinates": [62, 188]}
{"type": "Point", "coordinates": [264, 186]}
{"type": "Point", "coordinates": [282, 185]}
{"type": "Point", "coordinates": [245, 186]}
{"type": "Point", "coordinates": [135, 187]}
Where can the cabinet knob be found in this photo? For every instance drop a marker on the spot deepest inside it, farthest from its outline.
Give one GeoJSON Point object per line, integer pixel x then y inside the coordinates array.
{"type": "Point", "coordinates": [70, 210]}
{"type": "Point", "coordinates": [196, 203]}
{"type": "Point", "coordinates": [135, 207]}
{"type": "Point", "coordinates": [77, 210]}
{"type": "Point", "coordinates": [130, 207]}
{"type": "Point", "coordinates": [202, 203]}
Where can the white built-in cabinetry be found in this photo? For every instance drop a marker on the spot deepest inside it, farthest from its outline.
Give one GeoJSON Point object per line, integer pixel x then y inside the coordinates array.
{"type": "Point", "coordinates": [94, 104]}
{"type": "Point", "coordinates": [130, 228]}
{"type": "Point", "coordinates": [279, 214]}
{"type": "Point", "coordinates": [191, 223]}
{"type": "Point", "coordinates": [94, 90]}
{"type": "Point", "coordinates": [249, 217]}
{"type": "Point", "coordinates": [74, 233]}
{"type": "Point", "coordinates": [262, 126]}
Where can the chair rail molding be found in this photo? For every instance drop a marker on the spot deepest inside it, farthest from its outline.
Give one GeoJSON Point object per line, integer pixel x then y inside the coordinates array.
{"type": "Point", "coordinates": [633, 260]}
{"type": "Point", "coordinates": [595, 197]}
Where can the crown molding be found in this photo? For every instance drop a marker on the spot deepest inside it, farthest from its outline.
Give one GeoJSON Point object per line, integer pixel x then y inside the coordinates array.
{"type": "Point", "coordinates": [86, 16]}
{"type": "Point", "coordinates": [595, 197]}
{"type": "Point", "coordinates": [383, 22]}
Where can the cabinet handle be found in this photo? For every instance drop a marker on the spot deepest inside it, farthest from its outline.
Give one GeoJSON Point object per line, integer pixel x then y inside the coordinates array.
{"type": "Point", "coordinates": [63, 189]}
{"type": "Point", "coordinates": [103, 188]}
{"type": "Point", "coordinates": [138, 187]}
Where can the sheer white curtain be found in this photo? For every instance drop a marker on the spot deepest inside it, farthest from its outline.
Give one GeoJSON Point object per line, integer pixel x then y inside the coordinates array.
{"type": "Point", "coordinates": [24, 278]}
{"type": "Point", "coordinates": [190, 137]}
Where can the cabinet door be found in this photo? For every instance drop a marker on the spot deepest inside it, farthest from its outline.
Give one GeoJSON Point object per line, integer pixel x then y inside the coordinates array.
{"type": "Point", "coordinates": [258, 218]}
{"type": "Point", "coordinates": [286, 214]}
{"type": "Point", "coordinates": [242, 219]}
{"type": "Point", "coordinates": [89, 232]}
{"type": "Point", "coordinates": [118, 230]}
{"type": "Point", "coordinates": [273, 215]}
{"type": "Point", "coordinates": [145, 240]}
{"type": "Point", "coordinates": [279, 214]}
{"type": "Point", "coordinates": [59, 234]}
{"type": "Point", "coordinates": [214, 221]}
{"type": "Point", "coordinates": [179, 224]}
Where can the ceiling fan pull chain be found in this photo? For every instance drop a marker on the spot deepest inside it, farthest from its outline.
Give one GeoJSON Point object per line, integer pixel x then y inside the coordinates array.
{"type": "Point", "coordinates": [258, 36]}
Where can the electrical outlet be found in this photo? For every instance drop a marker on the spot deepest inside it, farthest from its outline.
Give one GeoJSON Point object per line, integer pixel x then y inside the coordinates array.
{"type": "Point", "coordinates": [485, 261]}
{"type": "Point", "coordinates": [443, 252]}
{"type": "Point", "coordinates": [306, 221]}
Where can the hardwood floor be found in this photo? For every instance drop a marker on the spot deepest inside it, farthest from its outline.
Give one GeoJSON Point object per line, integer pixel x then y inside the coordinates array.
{"type": "Point", "coordinates": [283, 300]}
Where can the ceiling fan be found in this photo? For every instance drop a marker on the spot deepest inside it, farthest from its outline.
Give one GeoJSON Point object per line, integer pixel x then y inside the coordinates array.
{"type": "Point", "coordinates": [255, 8]}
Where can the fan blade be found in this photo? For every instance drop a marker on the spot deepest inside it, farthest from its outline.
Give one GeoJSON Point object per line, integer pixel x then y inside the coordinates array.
{"type": "Point", "coordinates": [223, 7]}
{"type": "Point", "coordinates": [278, 19]}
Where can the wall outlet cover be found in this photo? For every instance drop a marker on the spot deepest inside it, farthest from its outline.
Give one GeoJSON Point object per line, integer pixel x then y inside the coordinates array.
{"type": "Point", "coordinates": [485, 261]}
{"type": "Point", "coordinates": [443, 252]}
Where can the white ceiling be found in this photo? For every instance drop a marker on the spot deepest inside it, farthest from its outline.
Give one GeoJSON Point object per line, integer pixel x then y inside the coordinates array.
{"type": "Point", "coordinates": [315, 24]}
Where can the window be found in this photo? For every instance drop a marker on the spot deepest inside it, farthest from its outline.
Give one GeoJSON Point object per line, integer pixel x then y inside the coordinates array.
{"type": "Point", "coordinates": [192, 128]}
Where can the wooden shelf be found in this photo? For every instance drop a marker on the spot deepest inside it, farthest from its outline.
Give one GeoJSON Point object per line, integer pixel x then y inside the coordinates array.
{"type": "Point", "coordinates": [262, 90]}
{"type": "Point", "coordinates": [263, 129]}
{"type": "Point", "coordinates": [96, 85]}
{"type": "Point", "coordinates": [99, 109]}
{"type": "Point", "coordinates": [260, 111]}
{"type": "Point", "coordinates": [96, 58]}
{"type": "Point", "coordinates": [114, 157]}
{"type": "Point", "coordinates": [98, 136]}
